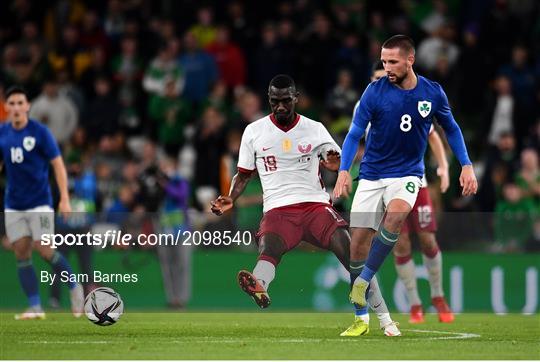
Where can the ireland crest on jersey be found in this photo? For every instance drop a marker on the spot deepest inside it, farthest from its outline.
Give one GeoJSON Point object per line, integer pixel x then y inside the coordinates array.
{"type": "Point", "coordinates": [29, 143]}
{"type": "Point", "coordinates": [424, 108]}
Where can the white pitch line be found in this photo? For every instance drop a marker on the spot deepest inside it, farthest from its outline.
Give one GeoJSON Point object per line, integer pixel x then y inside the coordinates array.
{"type": "Point", "coordinates": [271, 340]}
{"type": "Point", "coordinates": [455, 335]}
{"type": "Point", "coordinates": [226, 340]}
{"type": "Point", "coordinates": [66, 342]}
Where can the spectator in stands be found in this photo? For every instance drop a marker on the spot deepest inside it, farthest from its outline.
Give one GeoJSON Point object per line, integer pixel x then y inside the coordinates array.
{"type": "Point", "coordinates": [200, 70]}
{"type": "Point", "coordinates": [500, 166]}
{"type": "Point", "coordinates": [439, 44]}
{"type": "Point", "coordinates": [69, 54]}
{"type": "Point", "coordinates": [514, 220]}
{"type": "Point", "coordinates": [502, 110]}
{"type": "Point", "coordinates": [316, 57]}
{"type": "Point", "coordinates": [209, 144]}
{"type": "Point", "coordinates": [162, 69]}
{"type": "Point", "coordinates": [470, 100]}
{"type": "Point", "coordinates": [342, 98]}
{"type": "Point", "coordinates": [229, 59]}
{"type": "Point", "coordinates": [528, 177]}
{"type": "Point", "coordinates": [249, 109]}
{"type": "Point", "coordinates": [172, 114]}
{"type": "Point", "coordinates": [127, 67]}
{"type": "Point", "coordinates": [351, 56]}
{"type": "Point", "coordinates": [436, 18]}
{"type": "Point", "coordinates": [217, 99]}
{"type": "Point", "coordinates": [114, 21]}
{"type": "Point", "coordinates": [271, 57]}
{"type": "Point", "coordinates": [101, 116]}
{"type": "Point", "coordinates": [243, 31]}
{"type": "Point", "coordinates": [69, 89]}
{"type": "Point", "coordinates": [92, 33]}
{"type": "Point", "coordinates": [175, 260]}
{"type": "Point", "coordinates": [56, 111]}
{"type": "Point", "coordinates": [521, 76]}
{"type": "Point", "coordinates": [204, 31]}
{"type": "Point", "coordinates": [10, 55]}
{"type": "Point", "coordinates": [98, 68]}
{"type": "Point", "coordinates": [150, 193]}
{"type": "Point", "coordinates": [3, 112]}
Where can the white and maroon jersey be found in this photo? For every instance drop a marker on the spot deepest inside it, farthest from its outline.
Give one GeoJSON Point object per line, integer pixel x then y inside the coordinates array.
{"type": "Point", "coordinates": [287, 159]}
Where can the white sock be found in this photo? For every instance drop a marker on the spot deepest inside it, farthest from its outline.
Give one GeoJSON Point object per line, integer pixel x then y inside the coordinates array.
{"type": "Point", "coordinates": [434, 269]}
{"type": "Point", "coordinates": [377, 303]}
{"type": "Point", "coordinates": [407, 274]}
{"type": "Point", "coordinates": [265, 272]}
{"type": "Point", "coordinates": [363, 317]}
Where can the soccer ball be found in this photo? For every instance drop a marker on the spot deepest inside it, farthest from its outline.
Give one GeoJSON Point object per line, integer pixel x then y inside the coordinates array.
{"type": "Point", "coordinates": [103, 306]}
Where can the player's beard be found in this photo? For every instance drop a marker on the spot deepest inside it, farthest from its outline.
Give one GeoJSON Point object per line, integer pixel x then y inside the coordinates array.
{"type": "Point", "coordinates": [283, 118]}
{"type": "Point", "coordinates": [397, 80]}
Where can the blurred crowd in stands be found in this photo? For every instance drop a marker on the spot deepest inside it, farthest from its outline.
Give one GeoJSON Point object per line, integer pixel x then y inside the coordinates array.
{"type": "Point", "coordinates": [148, 99]}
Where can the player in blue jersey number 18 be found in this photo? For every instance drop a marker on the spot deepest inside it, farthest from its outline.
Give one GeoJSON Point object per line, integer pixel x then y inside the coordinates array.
{"type": "Point", "coordinates": [28, 148]}
{"type": "Point", "coordinates": [400, 108]}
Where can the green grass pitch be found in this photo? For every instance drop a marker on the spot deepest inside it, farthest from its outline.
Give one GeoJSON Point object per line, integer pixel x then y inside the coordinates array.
{"type": "Point", "coordinates": [263, 335]}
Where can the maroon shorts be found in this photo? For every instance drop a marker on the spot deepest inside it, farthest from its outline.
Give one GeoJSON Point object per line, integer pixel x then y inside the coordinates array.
{"type": "Point", "coordinates": [421, 217]}
{"type": "Point", "coordinates": [313, 222]}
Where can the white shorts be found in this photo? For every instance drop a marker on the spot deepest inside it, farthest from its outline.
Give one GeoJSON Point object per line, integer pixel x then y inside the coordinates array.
{"type": "Point", "coordinates": [32, 222]}
{"type": "Point", "coordinates": [372, 198]}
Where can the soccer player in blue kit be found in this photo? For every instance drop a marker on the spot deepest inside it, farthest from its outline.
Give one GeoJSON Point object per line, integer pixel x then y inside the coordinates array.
{"type": "Point", "coordinates": [400, 108]}
{"type": "Point", "coordinates": [28, 148]}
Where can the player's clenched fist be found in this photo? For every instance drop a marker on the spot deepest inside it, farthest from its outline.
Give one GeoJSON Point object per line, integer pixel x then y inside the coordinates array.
{"type": "Point", "coordinates": [343, 184]}
{"type": "Point", "coordinates": [221, 205]}
{"type": "Point", "coordinates": [467, 180]}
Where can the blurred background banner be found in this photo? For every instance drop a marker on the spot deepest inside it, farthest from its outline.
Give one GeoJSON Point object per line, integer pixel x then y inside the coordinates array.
{"type": "Point", "coordinates": [309, 280]}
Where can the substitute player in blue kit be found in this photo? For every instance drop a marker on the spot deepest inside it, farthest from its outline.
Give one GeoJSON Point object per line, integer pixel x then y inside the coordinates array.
{"type": "Point", "coordinates": [28, 148]}
{"type": "Point", "coordinates": [400, 108]}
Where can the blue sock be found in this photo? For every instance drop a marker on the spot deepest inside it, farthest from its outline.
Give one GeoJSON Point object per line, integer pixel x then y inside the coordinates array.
{"type": "Point", "coordinates": [356, 267]}
{"type": "Point", "coordinates": [381, 247]}
{"type": "Point", "coordinates": [60, 264]}
{"type": "Point", "coordinates": [29, 282]}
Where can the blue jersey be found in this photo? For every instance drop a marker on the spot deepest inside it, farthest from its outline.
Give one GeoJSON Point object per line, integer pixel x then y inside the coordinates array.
{"type": "Point", "coordinates": [400, 122]}
{"type": "Point", "coordinates": [27, 154]}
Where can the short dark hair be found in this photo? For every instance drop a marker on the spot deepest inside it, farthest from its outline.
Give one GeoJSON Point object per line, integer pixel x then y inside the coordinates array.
{"type": "Point", "coordinates": [16, 89]}
{"type": "Point", "coordinates": [378, 65]}
{"type": "Point", "coordinates": [282, 81]}
{"type": "Point", "coordinates": [402, 42]}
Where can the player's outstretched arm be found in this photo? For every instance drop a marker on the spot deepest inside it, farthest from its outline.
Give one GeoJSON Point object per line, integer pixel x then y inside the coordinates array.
{"type": "Point", "coordinates": [350, 146]}
{"type": "Point", "coordinates": [467, 179]}
{"type": "Point", "coordinates": [362, 115]}
{"type": "Point", "coordinates": [238, 185]}
{"type": "Point", "coordinates": [60, 175]}
{"type": "Point", "coordinates": [343, 184]}
{"type": "Point", "coordinates": [437, 147]}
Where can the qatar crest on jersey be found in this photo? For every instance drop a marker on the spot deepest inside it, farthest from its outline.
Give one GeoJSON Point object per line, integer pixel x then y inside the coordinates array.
{"type": "Point", "coordinates": [424, 108]}
{"type": "Point", "coordinates": [29, 143]}
{"type": "Point", "coordinates": [304, 147]}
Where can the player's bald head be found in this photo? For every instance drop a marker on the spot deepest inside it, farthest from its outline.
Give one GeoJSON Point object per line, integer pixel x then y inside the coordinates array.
{"type": "Point", "coordinates": [402, 42]}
